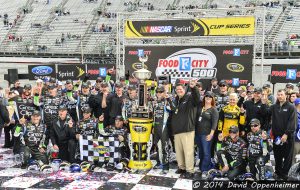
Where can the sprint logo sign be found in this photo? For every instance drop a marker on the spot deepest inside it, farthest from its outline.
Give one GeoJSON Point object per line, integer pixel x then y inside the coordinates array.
{"type": "Point", "coordinates": [71, 72]}
{"type": "Point", "coordinates": [80, 72]}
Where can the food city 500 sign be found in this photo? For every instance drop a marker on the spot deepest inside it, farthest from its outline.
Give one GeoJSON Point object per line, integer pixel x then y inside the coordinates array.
{"type": "Point", "coordinates": [229, 26]}
{"type": "Point", "coordinates": [188, 62]}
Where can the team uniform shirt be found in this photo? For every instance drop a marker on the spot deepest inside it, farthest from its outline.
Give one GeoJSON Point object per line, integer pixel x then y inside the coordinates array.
{"type": "Point", "coordinates": [237, 150]}
{"type": "Point", "coordinates": [230, 115]}
{"type": "Point", "coordinates": [88, 127]}
{"type": "Point", "coordinates": [257, 146]}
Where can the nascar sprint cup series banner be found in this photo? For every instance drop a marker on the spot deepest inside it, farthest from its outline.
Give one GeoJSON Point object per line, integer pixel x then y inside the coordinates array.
{"type": "Point", "coordinates": [232, 63]}
{"type": "Point", "coordinates": [229, 26]}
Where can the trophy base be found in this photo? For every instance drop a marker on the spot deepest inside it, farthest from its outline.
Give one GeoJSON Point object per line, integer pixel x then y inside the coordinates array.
{"type": "Point", "coordinates": [142, 114]}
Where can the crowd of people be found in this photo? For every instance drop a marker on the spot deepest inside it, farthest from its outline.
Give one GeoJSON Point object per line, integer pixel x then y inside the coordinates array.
{"type": "Point", "coordinates": [233, 131]}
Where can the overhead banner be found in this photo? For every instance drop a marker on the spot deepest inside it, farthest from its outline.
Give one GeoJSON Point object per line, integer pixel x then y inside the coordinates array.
{"type": "Point", "coordinates": [41, 71]}
{"type": "Point", "coordinates": [228, 26]}
{"type": "Point", "coordinates": [232, 63]}
{"type": "Point", "coordinates": [285, 73]}
{"type": "Point", "coordinates": [72, 72]}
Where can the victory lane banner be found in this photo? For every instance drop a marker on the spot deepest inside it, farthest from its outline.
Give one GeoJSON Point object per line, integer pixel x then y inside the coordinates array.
{"type": "Point", "coordinates": [228, 26]}
{"type": "Point", "coordinates": [232, 63]}
{"type": "Point", "coordinates": [285, 73]}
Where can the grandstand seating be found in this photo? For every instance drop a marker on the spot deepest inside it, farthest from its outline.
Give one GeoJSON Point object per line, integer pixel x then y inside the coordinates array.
{"type": "Point", "coordinates": [78, 23]}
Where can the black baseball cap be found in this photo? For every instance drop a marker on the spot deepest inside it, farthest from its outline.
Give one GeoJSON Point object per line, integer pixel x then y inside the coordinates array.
{"type": "Point", "coordinates": [62, 108]}
{"type": "Point", "coordinates": [289, 85]}
{"type": "Point", "coordinates": [87, 110]}
{"type": "Point", "coordinates": [233, 129]}
{"type": "Point", "coordinates": [250, 84]}
{"type": "Point", "coordinates": [199, 84]}
{"type": "Point", "coordinates": [257, 89]}
{"type": "Point", "coordinates": [254, 122]}
{"type": "Point", "coordinates": [52, 80]}
{"type": "Point", "coordinates": [222, 82]}
{"type": "Point", "coordinates": [85, 85]}
{"type": "Point", "coordinates": [99, 80]}
{"type": "Point", "coordinates": [120, 118]}
{"type": "Point", "coordinates": [266, 86]}
{"type": "Point", "coordinates": [51, 87]}
{"type": "Point", "coordinates": [69, 82]}
{"type": "Point", "coordinates": [104, 84]}
{"type": "Point", "coordinates": [36, 113]}
{"type": "Point", "coordinates": [160, 89]}
{"type": "Point", "coordinates": [118, 85]}
{"type": "Point", "coordinates": [131, 87]}
{"type": "Point", "coordinates": [122, 78]}
{"type": "Point", "coordinates": [209, 94]}
{"type": "Point", "coordinates": [214, 79]}
{"type": "Point", "coordinates": [27, 87]}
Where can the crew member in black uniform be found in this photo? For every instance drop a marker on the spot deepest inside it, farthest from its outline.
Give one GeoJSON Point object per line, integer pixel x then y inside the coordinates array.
{"type": "Point", "coordinates": [50, 105]}
{"type": "Point", "coordinates": [130, 102]}
{"type": "Point", "coordinates": [259, 148]}
{"type": "Point", "coordinates": [62, 135]}
{"type": "Point", "coordinates": [114, 103]}
{"type": "Point", "coordinates": [161, 110]}
{"type": "Point", "coordinates": [71, 100]}
{"type": "Point", "coordinates": [232, 155]}
{"type": "Point", "coordinates": [84, 96]}
{"type": "Point", "coordinates": [32, 135]}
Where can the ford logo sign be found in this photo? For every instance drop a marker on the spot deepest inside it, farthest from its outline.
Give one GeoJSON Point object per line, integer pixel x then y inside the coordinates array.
{"type": "Point", "coordinates": [42, 70]}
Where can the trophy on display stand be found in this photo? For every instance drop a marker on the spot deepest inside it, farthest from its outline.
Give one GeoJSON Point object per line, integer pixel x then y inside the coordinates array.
{"type": "Point", "coordinates": [140, 124]}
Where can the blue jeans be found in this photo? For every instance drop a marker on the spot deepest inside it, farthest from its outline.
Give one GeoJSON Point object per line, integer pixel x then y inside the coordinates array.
{"type": "Point", "coordinates": [204, 150]}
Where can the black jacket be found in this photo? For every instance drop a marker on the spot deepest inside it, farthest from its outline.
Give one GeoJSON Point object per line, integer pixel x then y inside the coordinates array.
{"type": "Point", "coordinates": [95, 102]}
{"type": "Point", "coordinates": [60, 135]}
{"type": "Point", "coordinates": [4, 116]}
{"type": "Point", "coordinates": [284, 118]}
{"type": "Point", "coordinates": [184, 111]}
{"type": "Point", "coordinates": [253, 110]}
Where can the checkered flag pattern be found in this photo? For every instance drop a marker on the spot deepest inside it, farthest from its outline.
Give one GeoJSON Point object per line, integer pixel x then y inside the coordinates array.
{"type": "Point", "coordinates": [106, 149]}
{"type": "Point", "coordinates": [176, 73]}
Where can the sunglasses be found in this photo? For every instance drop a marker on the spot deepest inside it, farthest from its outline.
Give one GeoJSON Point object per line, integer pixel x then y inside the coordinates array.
{"type": "Point", "coordinates": [233, 132]}
{"type": "Point", "coordinates": [254, 125]}
{"type": "Point", "coordinates": [222, 85]}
